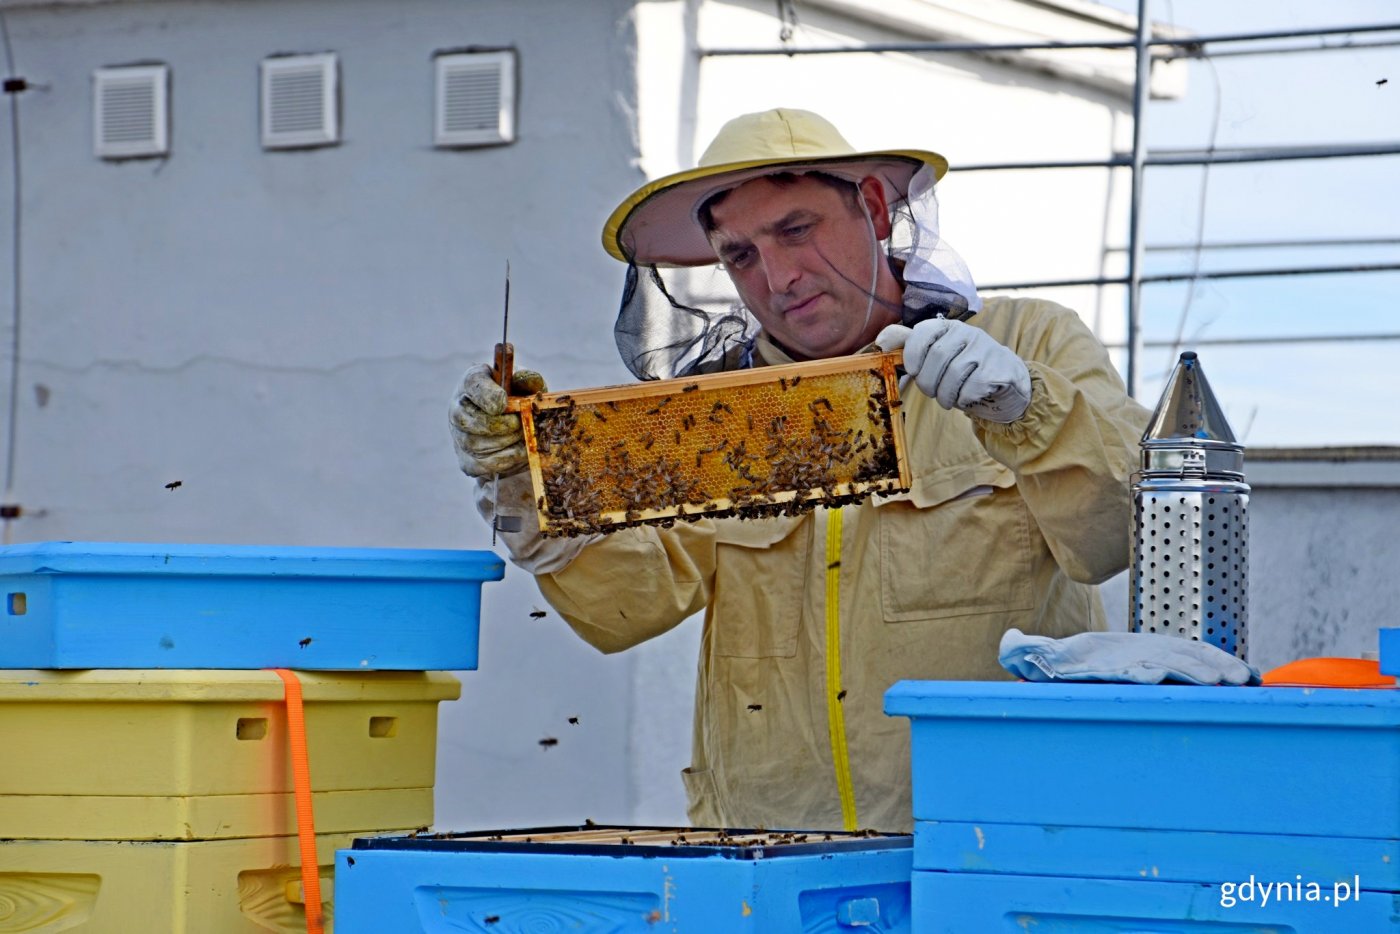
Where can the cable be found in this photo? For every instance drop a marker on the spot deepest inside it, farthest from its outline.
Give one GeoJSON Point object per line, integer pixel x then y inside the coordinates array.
{"type": "Point", "coordinates": [1200, 217]}
{"type": "Point", "coordinates": [15, 258]}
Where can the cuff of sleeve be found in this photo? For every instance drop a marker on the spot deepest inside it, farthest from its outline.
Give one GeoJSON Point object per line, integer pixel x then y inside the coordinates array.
{"type": "Point", "coordinates": [1039, 423]}
{"type": "Point", "coordinates": [528, 549]}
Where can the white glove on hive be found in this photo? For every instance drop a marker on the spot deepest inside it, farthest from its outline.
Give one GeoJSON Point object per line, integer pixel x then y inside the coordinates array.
{"type": "Point", "coordinates": [962, 366]}
{"type": "Point", "coordinates": [1134, 657]}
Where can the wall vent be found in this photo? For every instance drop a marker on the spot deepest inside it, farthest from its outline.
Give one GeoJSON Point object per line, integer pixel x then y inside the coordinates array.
{"type": "Point", "coordinates": [131, 112]}
{"type": "Point", "coordinates": [475, 98]}
{"type": "Point", "coordinates": [300, 101]}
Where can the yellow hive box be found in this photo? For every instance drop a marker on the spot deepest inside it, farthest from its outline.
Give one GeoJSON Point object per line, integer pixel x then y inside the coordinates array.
{"type": "Point", "coordinates": [168, 754]}
{"type": "Point", "coordinates": [248, 886]}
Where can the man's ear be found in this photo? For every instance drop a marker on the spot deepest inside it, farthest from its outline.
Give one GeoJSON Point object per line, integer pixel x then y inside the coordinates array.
{"type": "Point", "coordinates": [872, 192]}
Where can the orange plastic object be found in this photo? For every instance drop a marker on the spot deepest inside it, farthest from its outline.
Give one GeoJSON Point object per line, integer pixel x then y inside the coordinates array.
{"type": "Point", "coordinates": [306, 826]}
{"type": "Point", "coordinates": [1329, 673]}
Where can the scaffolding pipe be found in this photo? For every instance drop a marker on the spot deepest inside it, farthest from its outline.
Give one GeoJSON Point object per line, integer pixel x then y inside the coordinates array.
{"type": "Point", "coordinates": [1184, 276]}
{"type": "Point", "coordinates": [1135, 254]}
{"type": "Point", "coordinates": [1181, 157]}
{"type": "Point", "coordinates": [1250, 341]}
{"type": "Point", "coordinates": [1193, 44]}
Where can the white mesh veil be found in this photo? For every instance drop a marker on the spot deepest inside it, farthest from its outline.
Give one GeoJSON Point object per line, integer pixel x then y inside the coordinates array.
{"type": "Point", "coordinates": [679, 322]}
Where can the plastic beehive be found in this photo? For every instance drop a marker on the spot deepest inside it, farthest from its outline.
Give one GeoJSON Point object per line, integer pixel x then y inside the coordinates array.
{"type": "Point", "coordinates": [749, 443]}
{"type": "Point", "coordinates": [624, 879]}
{"type": "Point", "coordinates": [966, 903]}
{"type": "Point", "coordinates": [137, 605]}
{"type": "Point", "coordinates": [1148, 782]}
{"type": "Point", "coordinates": [248, 886]}
{"type": "Point", "coordinates": [199, 755]}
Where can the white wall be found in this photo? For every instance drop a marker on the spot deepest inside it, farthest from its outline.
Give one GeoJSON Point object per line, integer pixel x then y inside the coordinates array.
{"type": "Point", "coordinates": [282, 331]}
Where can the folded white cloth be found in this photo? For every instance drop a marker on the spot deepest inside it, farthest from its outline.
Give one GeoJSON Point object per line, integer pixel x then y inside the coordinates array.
{"type": "Point", "coordinates": [1132, 657]}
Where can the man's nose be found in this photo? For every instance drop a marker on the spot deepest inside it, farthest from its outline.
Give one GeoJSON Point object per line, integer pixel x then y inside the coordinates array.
{"type": "Point", "coordinates": [781, 269]}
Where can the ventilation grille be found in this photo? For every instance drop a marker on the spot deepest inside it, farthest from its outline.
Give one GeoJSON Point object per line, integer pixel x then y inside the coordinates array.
{"type": "Point", "coordinates": [299, 101]}
{"type": "Point", "coordinates": [130, 111]}
{"type": "Point", "coordinates": [475, 99]}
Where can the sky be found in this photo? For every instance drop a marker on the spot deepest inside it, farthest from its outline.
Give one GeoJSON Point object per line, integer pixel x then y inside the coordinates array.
{"type": "Point", "coordinates": [1292, 394]}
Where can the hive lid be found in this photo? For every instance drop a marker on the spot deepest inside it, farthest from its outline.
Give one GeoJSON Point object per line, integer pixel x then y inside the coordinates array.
{"type": "Point", "coordinates": [1188, 410]}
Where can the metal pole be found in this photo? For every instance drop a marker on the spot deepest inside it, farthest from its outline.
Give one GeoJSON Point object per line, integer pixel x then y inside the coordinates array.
{"type": "Point", "coordinates": [1191, 44]}
{"type": "Point", "coordinates": [1141, 86]}
{"type": "Point", "coordinates": [1183, 276]}
{"type": "Point", "coordinates": [1186, 157]}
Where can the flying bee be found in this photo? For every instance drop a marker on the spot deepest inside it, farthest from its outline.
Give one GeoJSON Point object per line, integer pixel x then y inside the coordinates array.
{"type": "Point", "coordinates": [174, 485]}
{"type": "Point", "coordinates": [549, 741]}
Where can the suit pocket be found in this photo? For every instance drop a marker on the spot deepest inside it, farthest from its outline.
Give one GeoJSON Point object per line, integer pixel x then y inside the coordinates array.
{"type": "Point", "coordinates": [966, 555]}
{"type": "Point", "coordinates": [760, 577]}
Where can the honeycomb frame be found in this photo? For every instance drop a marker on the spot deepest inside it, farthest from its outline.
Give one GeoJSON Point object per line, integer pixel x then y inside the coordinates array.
{"type": "Point", "coordinates": [778, 440]}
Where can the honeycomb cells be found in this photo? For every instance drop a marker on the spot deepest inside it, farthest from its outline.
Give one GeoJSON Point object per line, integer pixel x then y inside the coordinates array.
{"type": "Point", "coordinates": [774, 440]}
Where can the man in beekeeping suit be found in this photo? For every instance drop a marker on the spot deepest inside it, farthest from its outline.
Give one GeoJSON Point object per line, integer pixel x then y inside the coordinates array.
{"type": "Point", "coordinates": [1021, 439]}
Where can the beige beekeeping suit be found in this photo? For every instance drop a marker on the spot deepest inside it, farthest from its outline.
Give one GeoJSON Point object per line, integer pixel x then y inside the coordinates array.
{"type": "Point", "coordinates": [808, 620]}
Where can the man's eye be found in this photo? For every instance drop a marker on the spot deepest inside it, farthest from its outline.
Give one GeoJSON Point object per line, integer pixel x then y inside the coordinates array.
{"type": "Point", "coordinates": [797, 231]}
{"type": "Point", "coordinates": [740, 258]}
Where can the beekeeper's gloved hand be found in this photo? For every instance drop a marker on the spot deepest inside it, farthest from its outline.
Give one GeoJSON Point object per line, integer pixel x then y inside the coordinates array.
{"type": "Point", "coordinates": [1134, 657]}
{"type": "Point", "coordinates": [963, 366]}
{"type": "Point", "coordinates": [488, 440]}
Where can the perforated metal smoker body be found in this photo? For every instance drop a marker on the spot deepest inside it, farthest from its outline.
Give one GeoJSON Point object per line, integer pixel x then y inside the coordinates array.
{"type": "Point", "coordinates": [1190, 565]}
{"type": "Point", "coordinates": [781, 439]}
{"type": "Point", "coordinates": [1190, 571]}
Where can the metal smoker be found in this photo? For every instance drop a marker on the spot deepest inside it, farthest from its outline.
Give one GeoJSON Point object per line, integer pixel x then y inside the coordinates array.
{"type": "Point", "coordinates": [1190, 569]}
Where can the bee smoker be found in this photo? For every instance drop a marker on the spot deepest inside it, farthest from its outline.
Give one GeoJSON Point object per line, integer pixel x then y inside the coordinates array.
{"type": "Point", "coordinates": [1190, 568]}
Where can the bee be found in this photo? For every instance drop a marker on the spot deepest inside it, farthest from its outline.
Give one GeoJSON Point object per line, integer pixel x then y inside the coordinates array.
{"type": "Point", "coordinates": [795, 380]}
{"type": "Point", "coordinates": [350, 860]}
{"type": "Point", "coordinates": [304, 642]}
{"type": "Point", "coordinates": [549, 741]}
{"type": "Point", "coordinates": [691, 388]}
{"type": "Point", "coordinates": [537, 614]}
{"type": "Point", "coordinates": [841, 695]}
{"type": "Point", "coordinates": [573, 721]}
{"type": "Point", "coordinates": [783, 380]}
{"type": "Point", "coordinates": [174, 485]}
{"type": "Point", "coordinates": [599, 416]}
{"type": "Point", "coordinates": [491, 919]}
{"type": "Point", "coordinates": [753, 707]}
{"type": "Point", "coordinates": [611, 404]}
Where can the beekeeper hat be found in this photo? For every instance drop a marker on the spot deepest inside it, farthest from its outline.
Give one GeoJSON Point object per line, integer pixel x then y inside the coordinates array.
{"type": "Point", "coordinates": [657, 225]}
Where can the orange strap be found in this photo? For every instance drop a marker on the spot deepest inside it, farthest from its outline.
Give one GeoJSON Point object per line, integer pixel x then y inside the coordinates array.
{"type": "Point", "coordinates": [301, 780]}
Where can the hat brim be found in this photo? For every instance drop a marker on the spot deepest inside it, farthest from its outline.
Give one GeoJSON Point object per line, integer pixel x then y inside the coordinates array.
{"type": "Point", "coordinates": [657, 224]}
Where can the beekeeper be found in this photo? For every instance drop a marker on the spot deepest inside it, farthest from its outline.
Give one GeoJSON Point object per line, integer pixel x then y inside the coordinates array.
{"type": "Point", "coordinates": [1021, 438]}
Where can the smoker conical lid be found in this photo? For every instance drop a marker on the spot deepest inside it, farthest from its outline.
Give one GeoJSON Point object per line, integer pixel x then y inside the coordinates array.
{"type": "Point", "coordinates": [1188, 409]}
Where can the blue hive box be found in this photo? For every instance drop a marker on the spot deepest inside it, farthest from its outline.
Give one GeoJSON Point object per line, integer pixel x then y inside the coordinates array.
{"type": "Point", "coordinates": [608, 880]}
{"type": "Point", "coordinates": [1167, 792]}
{"type": "Point", "coordinates": [1390, 651]}
{"type": "Point", "coordinates": [128, 605]}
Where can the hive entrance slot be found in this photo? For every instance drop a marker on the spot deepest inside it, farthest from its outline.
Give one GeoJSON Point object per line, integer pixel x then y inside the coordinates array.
{"type": "Point", "coordinates": [17, 604]}
{"type": "Point", "coordinates": [251, 728]}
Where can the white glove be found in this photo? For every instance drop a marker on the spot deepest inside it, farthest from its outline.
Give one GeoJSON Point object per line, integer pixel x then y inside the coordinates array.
{"type": "Point", "coordinates": [488, 441]}
{"type": "Point", "coordinates": [1133, 657]}
{"type": "Point", "coordinates": [963, 366]}
{"type": "Point", "coordinates": [528, 548]}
